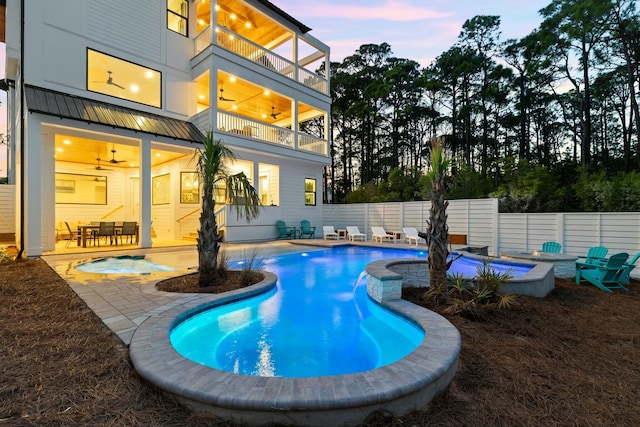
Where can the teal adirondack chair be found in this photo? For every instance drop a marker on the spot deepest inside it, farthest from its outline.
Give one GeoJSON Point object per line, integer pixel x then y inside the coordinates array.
{"type": "Point", "coordinates": [551, 247]}
{"type": "Point", "coordinates": [625, 278]}
{"type": "Point", "coordinates": [606, 276]}
{"type": "Point", "coordinates": [596, 255]}
{"type": "Point", "coordinates": [306, 230]}
{"type": "Point", "coordinates": [285, 232]}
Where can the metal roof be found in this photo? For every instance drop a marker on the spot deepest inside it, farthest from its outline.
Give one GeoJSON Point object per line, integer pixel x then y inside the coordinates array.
{"type": "Point", "coordinates": [63, 105]}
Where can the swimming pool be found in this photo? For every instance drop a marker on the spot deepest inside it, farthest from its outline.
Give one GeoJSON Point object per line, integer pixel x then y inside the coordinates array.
{"type": "Point", "coordinates": [318, 321]}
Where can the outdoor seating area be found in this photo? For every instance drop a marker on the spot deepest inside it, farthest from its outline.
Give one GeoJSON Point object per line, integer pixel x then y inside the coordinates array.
{"type": "Point", "coordinates": [305, 231]}
{"type": "Point", "coordinates": [97, 233]}
{"type": "Point", "coordinates": [606, 273]}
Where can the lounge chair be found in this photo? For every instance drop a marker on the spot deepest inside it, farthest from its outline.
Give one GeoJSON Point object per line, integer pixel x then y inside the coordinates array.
{"type": "Point", "coordinates": [607, 276]}
{"type": "Point", "coordinates": [379, 234]}
{"type": "Point", "coordinates": [625, 278]}
{"type": "Point", "coordinates": [306, 230]}
{"type": "Point", "coordinates": [551, 247]}
{"type": "Point", "coordinates": [411, 235]}
{"type": "Point", "coordinates": [328, 232]}
{"type": "Point", "coordinates": [285, 232]}
{"type": "Point", "coordinates": [354, 234]}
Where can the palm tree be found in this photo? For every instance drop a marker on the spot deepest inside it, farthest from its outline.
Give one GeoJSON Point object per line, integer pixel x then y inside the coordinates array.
{"type": "Point", "coordinates": [240, 193]}
{"type": "Point", "coordinates": [437, 235]}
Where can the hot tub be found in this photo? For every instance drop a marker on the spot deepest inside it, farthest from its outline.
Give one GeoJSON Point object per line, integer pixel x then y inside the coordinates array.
{"type": "Point", "coordinates": [564, 266]}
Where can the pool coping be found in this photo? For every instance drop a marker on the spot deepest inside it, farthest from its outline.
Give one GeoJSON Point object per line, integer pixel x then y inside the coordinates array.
{"type": "Point", "coordinates": [397, 388]}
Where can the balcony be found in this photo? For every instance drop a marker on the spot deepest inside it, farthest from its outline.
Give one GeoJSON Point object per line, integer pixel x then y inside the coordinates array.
{"type": "Point", "coordinates": [247, 128]}
{"type": "Point", "coordinates": [261, 56]}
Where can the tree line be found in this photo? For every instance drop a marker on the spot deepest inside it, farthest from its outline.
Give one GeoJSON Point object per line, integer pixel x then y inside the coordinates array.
{"type": "Point", "coordinates": [547, 122]}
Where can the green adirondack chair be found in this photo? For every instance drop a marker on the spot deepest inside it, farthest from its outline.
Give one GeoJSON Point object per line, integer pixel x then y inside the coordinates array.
{"type": "Point", "coordinates": [306, 230]}
{"type": "Point", "coordinates": [285, 232]}
{"type": "Point", "coordinates": [551, 247]}
{"type": "Point", "coordinates": [605, 276]}
{"type": "Point", "coordinates": [625, 278]}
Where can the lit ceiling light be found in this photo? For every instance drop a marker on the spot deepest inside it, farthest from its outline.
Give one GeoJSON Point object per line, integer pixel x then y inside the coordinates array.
{"type": "Point", "coordinates": [217, 6]}
{"type": "Point", "coordinates": [247, 24]}
{"type": "Point", "coordinates": [264, 116]}
{"type": "Point", "coordinates": [132, 164]}
{"type": "Point", "coordinates": [149, 74]}
{"type": "Point", "coordinates": [267, 93]}
{"type": "Point", "coordinates": [233, 16]}
{"type": "Point", "coordinates": [157, 154]}
{"type": "Point", "coordinates": [59, 150]}
{"type": "Point", "coordinates": [232, 79]}
{"type": "Point", "coordinates": [235, 107]}
{"type": "Point", "coordinates": [134, 88]}
{"type": "Point", "coordinates": [201, 22]}
{"type": "Point", "coordinates": [201, 96]}
{"type": "Point", "coordinates": [66, 142]}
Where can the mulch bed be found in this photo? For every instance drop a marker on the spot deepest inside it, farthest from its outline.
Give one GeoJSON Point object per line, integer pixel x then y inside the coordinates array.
{"type": "Point", "coordinates": [571, 359]}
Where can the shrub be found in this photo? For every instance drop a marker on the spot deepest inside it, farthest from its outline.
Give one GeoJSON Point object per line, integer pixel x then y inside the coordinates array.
{"type": "Point", "coordinates": [473, 298]}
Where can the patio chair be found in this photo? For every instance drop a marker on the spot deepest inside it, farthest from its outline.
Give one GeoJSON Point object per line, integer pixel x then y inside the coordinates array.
{"type": "Point", "coordinates": [607, 276]}
{"type": "Point", "coordinates": [328, 232]}
{"type": "Point", "coordinates": [625, 277]}
{"type": "Point", "coordinates": [285, 232]}
{"type": "Point", "coordinates": [411, 235]}
{"type": "Point", "coordinates": [72, 236]}
{"type": "Point", "coordinates": [106, 229]}
{"type": "Point", "coordinates": [551, 247]}
{"type": "Point", "coordinates": [354, 234]}
{"type": "Point", "coordinates": [379, 234]}
{"type": "Point", "coordinates": [306, 230]}
{"type": "Point", "coordinates": [129, 230]}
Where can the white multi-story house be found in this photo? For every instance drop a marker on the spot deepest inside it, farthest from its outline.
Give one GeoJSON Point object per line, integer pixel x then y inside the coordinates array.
{"type": "Point", "coordinates": [108, 100]}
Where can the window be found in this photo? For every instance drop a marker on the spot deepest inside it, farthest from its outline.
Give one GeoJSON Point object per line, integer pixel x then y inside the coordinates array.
{"type": "Point", "coordinates": [81, 189]}
{"type": "Point", "coordinates": [268, 184]}
{"type": "Point", "coordinates": [178, 16]}
{"type": "Point", "coordinates": [123, 79]}
{"type": "Point", "coordinates": [309, 192]}
{"type": "Point", "coordinates": [189, 190]}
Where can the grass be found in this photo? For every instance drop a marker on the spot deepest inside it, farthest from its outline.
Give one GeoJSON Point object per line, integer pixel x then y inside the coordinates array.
{"type": "Point", "coordinates": [570, 359]}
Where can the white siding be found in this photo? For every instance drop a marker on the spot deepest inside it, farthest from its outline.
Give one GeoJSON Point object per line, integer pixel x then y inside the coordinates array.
{"type": "Point", "coordinates": [7, 209]}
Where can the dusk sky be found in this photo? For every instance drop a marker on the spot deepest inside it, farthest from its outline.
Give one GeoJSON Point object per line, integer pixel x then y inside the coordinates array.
{"type": "Point", "coordinates": [415, 29]}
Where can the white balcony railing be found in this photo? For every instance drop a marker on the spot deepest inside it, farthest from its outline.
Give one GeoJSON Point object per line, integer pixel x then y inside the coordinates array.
{"type": "Point", "coordinates": [254, 129]}
{"type": "Point", "coordinates": [260, 55]}
{"type": "Point", "coordinates": [312, 143]}
{"type": "Point", "coordinates": [239, 125]}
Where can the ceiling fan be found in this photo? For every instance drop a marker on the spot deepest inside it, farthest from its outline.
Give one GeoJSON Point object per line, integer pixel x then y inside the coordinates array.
{"type": "Point", "coordinates": [100, 168]}
{"type": "Point", "coordinates": [222, 98]}
{"type": "Point", "coordinates": [113, 158]}
{"type": "Point", "coordinates": [274, 114]}
{"type": "Point", "coordinates": [109, 81]}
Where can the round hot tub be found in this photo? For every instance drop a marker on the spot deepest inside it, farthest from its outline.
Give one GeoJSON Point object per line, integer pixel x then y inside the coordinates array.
{"type": "Point", "coordinates": [564, 266]}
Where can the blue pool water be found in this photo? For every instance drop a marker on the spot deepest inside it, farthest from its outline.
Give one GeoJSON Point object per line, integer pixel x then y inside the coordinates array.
{"type": "Point", "coordinates": [122, 265]}
{"type": "Point", "coordinates": [318, 320]}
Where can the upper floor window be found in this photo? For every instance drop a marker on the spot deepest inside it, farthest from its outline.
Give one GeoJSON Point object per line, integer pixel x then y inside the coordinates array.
{"type": "Point", "coordinates": [123, 79]}
{"type": "Point", "coordinates": [178, 16]}
{"type": "Point", "coordinates": [309, 192]}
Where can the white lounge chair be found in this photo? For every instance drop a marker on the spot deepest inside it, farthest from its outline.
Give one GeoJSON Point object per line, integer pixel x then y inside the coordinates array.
{"type": "Point", "coordinates": [328, 232]}
{"type": "Point", "coordinates": [355, 234]}
{"type": "Point", "coordinates": [380, 235]}
{"type": "Point", "coordinates": [411, 235]}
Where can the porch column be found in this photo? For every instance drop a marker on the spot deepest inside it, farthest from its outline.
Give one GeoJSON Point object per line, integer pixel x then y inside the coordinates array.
{"type": "Point", "coordinates": [32, 188]}
{"type": "Point", "coordinates": [145, 193]}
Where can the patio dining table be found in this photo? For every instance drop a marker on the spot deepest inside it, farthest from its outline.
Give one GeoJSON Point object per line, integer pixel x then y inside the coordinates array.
{"type": "Point", "coordinates": [86, 229]}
